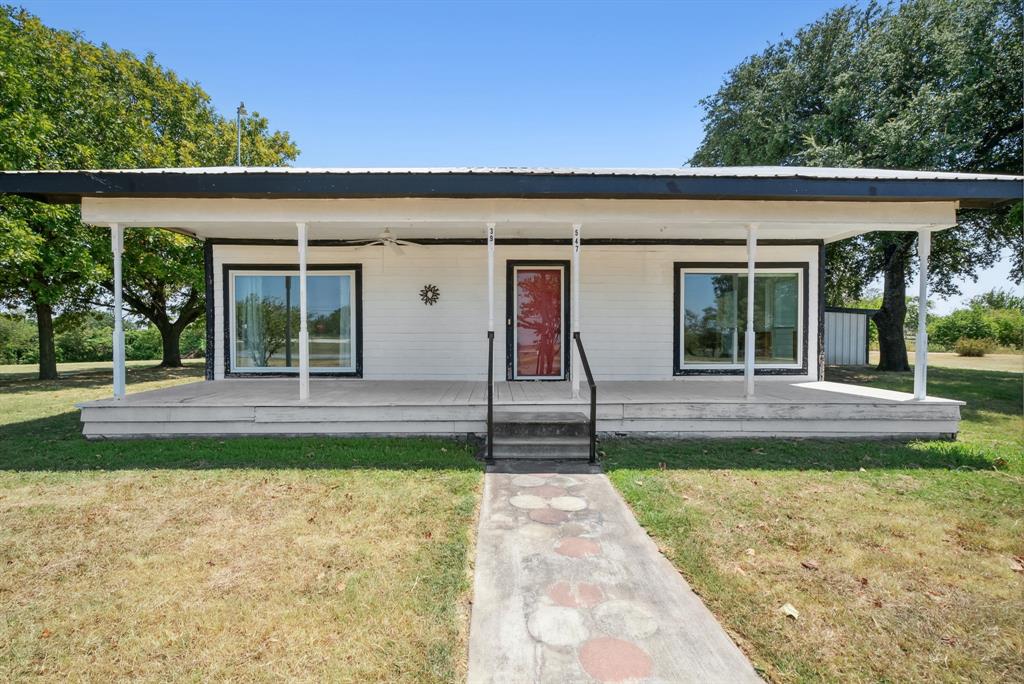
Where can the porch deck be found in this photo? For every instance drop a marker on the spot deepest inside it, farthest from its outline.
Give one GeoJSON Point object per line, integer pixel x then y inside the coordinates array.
{"type": "Point", "coordinates": [698, 408]}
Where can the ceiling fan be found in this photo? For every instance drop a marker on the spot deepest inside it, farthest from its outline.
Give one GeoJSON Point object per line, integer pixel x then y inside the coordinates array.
{"type": "Point", "coordinates": [385, 239]}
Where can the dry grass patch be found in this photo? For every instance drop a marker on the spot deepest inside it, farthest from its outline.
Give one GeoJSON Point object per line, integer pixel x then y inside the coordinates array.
{"type": "Point", "coordinates": [904, 561]}
{"type": "Point", "coordinates": [245, 560]}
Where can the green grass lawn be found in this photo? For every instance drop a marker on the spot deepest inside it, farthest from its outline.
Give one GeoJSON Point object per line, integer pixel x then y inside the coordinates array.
{"type": "Point", "coordinates": [244, 559]}
{"type": "Point", "coordinates": [903, 560]}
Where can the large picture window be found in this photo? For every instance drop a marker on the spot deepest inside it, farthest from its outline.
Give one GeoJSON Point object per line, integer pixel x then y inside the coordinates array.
{"type": "Point", "coordinates": [713, 312]}
{"type": "Point", "coordinates": [264, 321]}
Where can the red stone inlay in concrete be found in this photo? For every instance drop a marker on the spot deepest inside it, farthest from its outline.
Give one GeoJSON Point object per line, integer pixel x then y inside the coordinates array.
{"type": "Point", "coordinates": [548, 491]}
{"type": "Point", "coordinates": [548, 516]}
{"type": "Point", "coordinates": [582, 595]}
{"type": "Point", "coordinates": [577, 547]}
{"type": "Point", "coordinates": [614, 660]}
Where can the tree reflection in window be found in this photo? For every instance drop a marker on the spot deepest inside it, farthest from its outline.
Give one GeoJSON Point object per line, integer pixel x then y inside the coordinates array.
{"type": "Point", "coordinates": [267, 321]}
{"type": "Point", "coordinates": [714, 318]}
{"type": "Point", "coordinates": [539, 322]}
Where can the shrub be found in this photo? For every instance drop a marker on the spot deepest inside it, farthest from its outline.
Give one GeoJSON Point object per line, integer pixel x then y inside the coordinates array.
{"type": "Point", "coordinates": [966, 346]}
{"type": "Point", "coordinates": [142, 344]}
{"type": "Point", "coordinates": [973, 324]}
{"type": "Point", "coordinates": [1009, 324]}
{"type": "Point", "coordinates": [18, 342]}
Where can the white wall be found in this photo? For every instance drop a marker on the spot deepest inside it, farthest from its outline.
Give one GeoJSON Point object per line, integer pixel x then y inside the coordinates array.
{"type": "Point", "coordinates": [626, 296]}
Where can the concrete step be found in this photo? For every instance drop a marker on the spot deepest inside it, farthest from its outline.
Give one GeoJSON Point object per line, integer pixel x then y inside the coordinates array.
{"type": "Point", "coordinates": [540, 424]}
{"type": "Point", "coordinates": [514, 452]}
{"type": "Point", "coordinates": [556, 448]}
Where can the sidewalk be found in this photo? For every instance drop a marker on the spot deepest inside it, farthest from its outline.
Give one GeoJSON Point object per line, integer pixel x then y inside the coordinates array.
{"type": "Point", "coordinates": [569, 588]}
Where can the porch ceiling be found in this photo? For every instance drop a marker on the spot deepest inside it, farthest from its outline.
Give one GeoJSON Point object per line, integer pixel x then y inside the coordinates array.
{"type": "Point", "coordinates": [453, 218]}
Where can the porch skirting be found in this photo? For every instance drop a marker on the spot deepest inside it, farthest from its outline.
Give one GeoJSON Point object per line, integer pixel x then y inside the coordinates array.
{"type": "Point", "coordinates": [692, 408]}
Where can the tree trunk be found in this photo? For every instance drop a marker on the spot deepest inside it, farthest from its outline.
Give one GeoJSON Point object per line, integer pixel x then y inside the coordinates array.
{"type": "Point", "coordinates": [47, 351]}
{"type": "Point", "coordinates": [892, 316]}
{"type": "Point", "coordinates": [170, 339]}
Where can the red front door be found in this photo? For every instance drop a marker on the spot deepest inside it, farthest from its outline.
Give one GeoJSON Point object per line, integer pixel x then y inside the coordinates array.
{"type": "Point", "coordinates": [538, 324]}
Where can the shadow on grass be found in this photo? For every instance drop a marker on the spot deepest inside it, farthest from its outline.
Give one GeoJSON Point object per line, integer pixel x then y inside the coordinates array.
{"type": "Point", "coordinates": [96, 378]}
{"type": "Point", "coordinates": [997, 391]}
{"type": "Point", "coordinates": [55, 443]}
{"type": "Point", "coordinates": [791, 454]}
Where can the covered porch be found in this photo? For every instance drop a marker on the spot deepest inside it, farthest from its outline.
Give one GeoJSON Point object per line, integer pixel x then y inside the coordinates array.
{"type": "Point", "coordinates": [618, 247]}
{"type": "Point", "coordinates": [689, 407]}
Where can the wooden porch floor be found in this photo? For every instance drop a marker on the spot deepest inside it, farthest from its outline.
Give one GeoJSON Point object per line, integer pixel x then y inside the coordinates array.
{"type": "Point", "coordinates": [678, 407]}
{"type": "Point", "coordinates": [354, 392]}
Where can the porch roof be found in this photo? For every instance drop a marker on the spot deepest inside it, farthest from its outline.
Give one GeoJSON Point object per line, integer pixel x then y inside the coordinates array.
{"type": "Point", "coordinates": [787, 203]}
{"type": "Point", "coordinates": [743, 183]}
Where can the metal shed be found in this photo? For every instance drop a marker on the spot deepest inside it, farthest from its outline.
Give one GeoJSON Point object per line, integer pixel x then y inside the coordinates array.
{"type": "Point", "coordinates": [846, 336]}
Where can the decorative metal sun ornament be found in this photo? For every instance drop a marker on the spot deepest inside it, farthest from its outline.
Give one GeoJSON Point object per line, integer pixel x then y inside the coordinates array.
{"type": "Point", "coordinates": [430, 294]}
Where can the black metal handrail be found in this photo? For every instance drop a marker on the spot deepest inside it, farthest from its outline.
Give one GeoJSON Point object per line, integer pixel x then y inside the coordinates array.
{"type": "Point", "coordinates": [490, 396]}
{"type": "Point", "coordinates": [593, 397]}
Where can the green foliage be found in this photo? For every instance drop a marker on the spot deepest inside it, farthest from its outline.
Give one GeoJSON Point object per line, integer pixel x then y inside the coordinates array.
{"type": "Point", "coordinates": [18, 343]}
{"type": "Point", "coordinates": [963, 323]}
{"type": "Point", "coordinates": [1004, 327]}
{"type": "Point", "coordinates": [997, 298]}
{"type": "Point", "coordinates": [88, 336]}
{"type": "Point", "coordinates": [922, 84]}
{"type": "Point", "coordinates": [1009, 325]}
{"type": "Point", "coordinates": [965, 346]}
{"type": "Point", "coordinates": [67, 103]}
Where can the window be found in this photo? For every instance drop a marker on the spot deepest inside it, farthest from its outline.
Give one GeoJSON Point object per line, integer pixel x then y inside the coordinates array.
{"type": "Point", "coordinates": [264, 313]}
{"type": "Point", "coordinates": [713, 303]}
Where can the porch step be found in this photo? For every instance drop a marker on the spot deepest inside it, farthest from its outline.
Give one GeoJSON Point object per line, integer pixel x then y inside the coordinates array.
{"type": "Point", "coordinates": [542, 448]}
{"type": "Point", "coordinates": [530, 435]}
{"type": "Point", "coordinates": [540, 424]}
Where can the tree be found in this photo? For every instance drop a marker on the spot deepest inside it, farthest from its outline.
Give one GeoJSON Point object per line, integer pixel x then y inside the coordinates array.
{"type": "Point", "coordinates": [163, 272]}
{"type": "Point", "coordinates": [997, 299]}
{"type": "Point", "coordinates": [66, 103]}
{"type": "Point", "coordinates": [931, 85]}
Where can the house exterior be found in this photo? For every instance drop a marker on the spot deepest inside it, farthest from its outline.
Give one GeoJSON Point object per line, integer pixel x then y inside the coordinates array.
{"type": "Point", "coordinates": [420, 301]}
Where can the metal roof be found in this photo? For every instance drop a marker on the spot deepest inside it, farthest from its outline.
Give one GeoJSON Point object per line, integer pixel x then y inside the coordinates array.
{"type": "Point", "coordinates": [747, 182]}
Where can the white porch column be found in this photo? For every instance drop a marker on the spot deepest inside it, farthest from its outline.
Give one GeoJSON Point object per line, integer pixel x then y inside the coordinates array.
{"type": "Point", "coordinates": [490, 277]}
{"type": "Point", "coordinates": [117, 247]}
{"type": "Point", "coordinates": [303, 331]}
{"type": "Point", "coordinates": [577, 368]}
{"type": "Point", "coordinates": [924, 249]}
{"type": "Point", "coordinates": [749, 341]}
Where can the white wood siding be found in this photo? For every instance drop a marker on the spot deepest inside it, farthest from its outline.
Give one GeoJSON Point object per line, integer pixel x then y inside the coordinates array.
{"type": "Point", "coordinates": [626, 316]}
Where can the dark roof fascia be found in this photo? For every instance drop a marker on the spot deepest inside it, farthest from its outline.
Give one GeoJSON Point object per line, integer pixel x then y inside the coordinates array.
{"type": "Point", "coordinates": [71, 186]}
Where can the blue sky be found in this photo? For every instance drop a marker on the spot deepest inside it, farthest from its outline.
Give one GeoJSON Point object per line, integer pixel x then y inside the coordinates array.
{"type": "Point", "coordinates": [458, 83]}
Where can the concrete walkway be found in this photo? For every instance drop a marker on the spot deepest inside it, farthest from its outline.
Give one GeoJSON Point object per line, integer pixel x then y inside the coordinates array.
{"type": "Point", "coordinates": [569, 588]}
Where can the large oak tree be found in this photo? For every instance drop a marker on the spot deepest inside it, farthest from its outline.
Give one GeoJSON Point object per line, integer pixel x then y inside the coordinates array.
{"type": "Point", "coordinates": [929, 84]}
{"type": "Point", "coordinates": [67, 103]}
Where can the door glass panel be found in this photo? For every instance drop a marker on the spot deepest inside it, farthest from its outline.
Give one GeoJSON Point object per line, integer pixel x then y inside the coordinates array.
{"type": "Point", "coordinates": [538, 322]}
{"type": "Point", "coordinates": [266, 333]}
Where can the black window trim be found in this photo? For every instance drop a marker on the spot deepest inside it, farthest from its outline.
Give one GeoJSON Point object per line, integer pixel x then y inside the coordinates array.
{"type": "Point", "coordinates": [357, 270]}
{"type": "Point", "coordinates": [680, 266]}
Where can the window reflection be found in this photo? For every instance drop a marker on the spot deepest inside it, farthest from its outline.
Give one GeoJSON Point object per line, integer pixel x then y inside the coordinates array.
{"type": "Point", "coordinates": [266, 326]}
{"type": "Point", "coordinates": [714, 318]}
{"type": "Point", "coordinates": [539, 322]}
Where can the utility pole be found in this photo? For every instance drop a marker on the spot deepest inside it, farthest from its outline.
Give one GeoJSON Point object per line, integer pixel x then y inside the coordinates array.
{"type": "Point", "coordinates": [239, 113]}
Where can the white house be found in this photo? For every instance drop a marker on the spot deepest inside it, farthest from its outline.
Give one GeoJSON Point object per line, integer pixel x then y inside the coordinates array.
{"type": "Point", "coordinates": [695, 296]}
